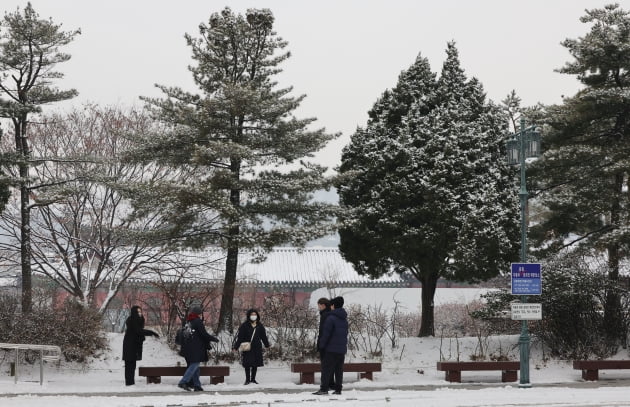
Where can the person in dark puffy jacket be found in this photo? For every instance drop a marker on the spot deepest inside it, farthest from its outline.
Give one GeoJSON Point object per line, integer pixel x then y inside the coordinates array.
{"type": "Point", "coordinates": [334, 342]}
{"type": "Point", "coordinates": [195, 350]}
{"type": "Point", "coordinates": [132, 342]}
{"type": "Point", "coordinates": [323, 304]}
{"type": "Point", "coordinates": [253, 331]}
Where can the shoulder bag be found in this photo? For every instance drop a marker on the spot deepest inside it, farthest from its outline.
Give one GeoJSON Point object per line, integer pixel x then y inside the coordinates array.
{"type": "Point", "coordinates": [247, 346]}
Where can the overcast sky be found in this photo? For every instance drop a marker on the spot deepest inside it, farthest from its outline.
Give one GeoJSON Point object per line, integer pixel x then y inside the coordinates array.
{"type": "Point", "coordinates": [345, 53]}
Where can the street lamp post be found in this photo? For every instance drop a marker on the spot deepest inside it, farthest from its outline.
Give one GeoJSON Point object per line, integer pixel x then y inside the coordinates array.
{"type": "Point", "coordinates": [521, 145]}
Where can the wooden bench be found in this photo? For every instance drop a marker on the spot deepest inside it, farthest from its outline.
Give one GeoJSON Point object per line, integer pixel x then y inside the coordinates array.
{"type": "Point", "coordinates": [590, 368]}
{"type": "Point", "coordinates": [454, 369]}
{"type": "Point", "coordinates": [154, 373]}
{"type": "Point", "coordinates": [307, 370]}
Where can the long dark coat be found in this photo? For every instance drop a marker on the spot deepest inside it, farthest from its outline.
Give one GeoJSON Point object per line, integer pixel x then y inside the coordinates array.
{"type": "Point", "coordinates": [196, 348]}
{"type": "Point", "coordinates": [134, 336]}
{"type": "Point", "coordinates": [254, 357]}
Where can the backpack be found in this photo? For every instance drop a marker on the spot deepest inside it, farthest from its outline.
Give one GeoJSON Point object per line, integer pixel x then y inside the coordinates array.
{"type": "Point", "coordinates": [184, 334]}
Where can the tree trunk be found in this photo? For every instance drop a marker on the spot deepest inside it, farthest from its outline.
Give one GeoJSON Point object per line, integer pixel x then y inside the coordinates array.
{"type": "Point", "coordinates": [25, 246]}
{"type": "Point", "coordinates": [613, 319]}
{"type": "Point", "coordinates": [22, 148]}
{"type": "Point", "coordinates": [231, 262]}
{"type": "Point", "coordinates": [229, 286]}
{"type": "Point", "coordinates": [429, 284]}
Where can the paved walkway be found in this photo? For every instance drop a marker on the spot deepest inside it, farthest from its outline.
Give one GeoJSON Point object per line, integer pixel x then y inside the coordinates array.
{"type": "Point", "coordinates": [209, 389]}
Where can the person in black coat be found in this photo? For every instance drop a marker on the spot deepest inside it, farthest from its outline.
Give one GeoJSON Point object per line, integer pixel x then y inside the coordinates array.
{"type": "Point", "coordinates": [195, 350]}
{"type": "Point", "coordinates": [334, 341]}
{"type": "Point", "coordinates": [323, 304]}
{"type": "Point", "coordinates": [253, 331]}
{"type": "Point", "coordinates": [132, 342]}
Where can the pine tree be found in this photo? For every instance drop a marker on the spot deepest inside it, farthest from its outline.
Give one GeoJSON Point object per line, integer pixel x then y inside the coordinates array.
{"type": "Point", "coordinates": [236, 139]}
{"type": "Point", "coordinates": [431, 196]}
{"type": "Point", "coordinates": [29, 50]}
{"type": "Point", "coordinates": [585, 170]}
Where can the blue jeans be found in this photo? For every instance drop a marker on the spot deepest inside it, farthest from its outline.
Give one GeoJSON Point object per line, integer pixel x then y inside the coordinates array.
{"type": "Point", "coordinates": [191, 373]}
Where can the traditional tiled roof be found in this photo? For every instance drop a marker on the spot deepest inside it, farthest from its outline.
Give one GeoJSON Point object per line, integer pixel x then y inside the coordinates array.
{"type": "Point", "coordinates": [308, 267]}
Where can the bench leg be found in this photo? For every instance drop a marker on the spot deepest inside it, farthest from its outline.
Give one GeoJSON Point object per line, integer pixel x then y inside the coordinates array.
{"type": "Point", "coordinates": [307, 378]}
{"type": "Point", "coordinates": [366, 375]}
{"type": "Point", "coordinates": [217, 379]}
{"type": "Point", "coordinates": [154, 379]}
{"type": "Point", "coordinates": [509, 376]}
{"type": "Point", "coordinates": [590, 374]}
{"type": "Point", "coordinates": [453, 376]}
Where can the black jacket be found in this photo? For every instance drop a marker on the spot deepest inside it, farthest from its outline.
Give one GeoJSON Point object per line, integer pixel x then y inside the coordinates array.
{"type": "Point", "coordinates": [196, 348]}
{"type": "Point", "coordinates": [254, 357]}
{"type": "Point", "coordinates": [334, 337]}
{"type": "Point", "coordinates": [134, 337]}
{"type": "Point", "coordinates": [323, 314]}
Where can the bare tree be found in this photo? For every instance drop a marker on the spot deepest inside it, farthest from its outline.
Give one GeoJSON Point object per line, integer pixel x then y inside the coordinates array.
{"type": "Point", "coordinates": [85, 236]}
{"type": "Point", "coordinates": [194, 281]}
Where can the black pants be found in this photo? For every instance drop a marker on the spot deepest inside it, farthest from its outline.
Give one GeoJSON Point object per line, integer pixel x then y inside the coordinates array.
{"type": "Point", "coordinates": [130, 372]}
{"type": "Point", "coordinates": [250, 373]}
{"type": "Point", "coordinates": [322, 353]}
{"type": "Point", "coordinates": [332, 366]}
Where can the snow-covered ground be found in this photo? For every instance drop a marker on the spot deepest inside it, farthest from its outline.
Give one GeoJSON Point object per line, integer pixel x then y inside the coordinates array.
{"type": "Point", "coordinates": [409, 378]}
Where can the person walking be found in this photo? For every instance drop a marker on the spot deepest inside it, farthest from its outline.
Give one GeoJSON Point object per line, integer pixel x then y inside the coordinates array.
{"type": "Point", "coordinates": [194, 348]}
{"type": "Point", "coordinates": [323, 304]}
{"type": "Point", "coordinates": [135, 335]}
{"type": "Point", "coordinates": [334, 343]}
{"type": "Point", "coordinates": [253, 332]}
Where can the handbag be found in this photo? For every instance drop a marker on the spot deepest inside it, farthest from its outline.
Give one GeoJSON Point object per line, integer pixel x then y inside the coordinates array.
{"type": "Point", "coordinates": [247, 346]}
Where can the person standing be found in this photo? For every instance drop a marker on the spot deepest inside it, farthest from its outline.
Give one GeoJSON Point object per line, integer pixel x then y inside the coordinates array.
{"type": "Point", "coordinates": [252, 331]}
{"type": "Point", "coordinates": [194, 348]}
{"type": "Point", "coordinates": [334, 342]}
{"type": "Point", "coordinates": [323, 304]}
{"type": "Point", "coordinates": [132, 342]}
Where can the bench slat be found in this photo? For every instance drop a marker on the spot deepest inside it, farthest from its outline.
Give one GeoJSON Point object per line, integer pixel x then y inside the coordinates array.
{"type": "Point", "coordinates": [483, 365]}
{"type": "Point", "coordinates": [347, 367]}
{"type": "Point", "coordinates": [454, 369]}
{"type": "Point", "coordinates": [307, 370]}
{"type": "Point", "coordinates": [154, 373]}
{"type": "Point", "coordinates": [179, 370]}
{"type": "Point", "coordinates": [601, 364]}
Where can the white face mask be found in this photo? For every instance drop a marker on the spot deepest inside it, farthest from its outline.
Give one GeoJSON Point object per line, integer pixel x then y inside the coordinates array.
{"type": "Point", "coordinates": [253, 317]}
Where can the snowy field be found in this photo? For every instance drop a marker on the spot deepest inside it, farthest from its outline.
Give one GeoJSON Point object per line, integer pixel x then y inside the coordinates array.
{"type": "Point", "coordinates": [409, 378]}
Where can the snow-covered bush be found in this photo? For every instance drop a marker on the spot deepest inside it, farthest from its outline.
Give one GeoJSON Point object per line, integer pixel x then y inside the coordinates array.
{"type": "Point", "coordinates": [74, 328]}
{"type": "Point", "coordinates": [573, 293]}
{"type": "Point", "coordinates": [292, 329]}
{"type": "Point", "coordinates": [455, 320]}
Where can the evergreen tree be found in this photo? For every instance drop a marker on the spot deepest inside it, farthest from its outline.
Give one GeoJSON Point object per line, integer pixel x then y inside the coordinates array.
{"type": "Point", "coordinates": [584, 173]}
{"type": "Point", "coordinates": [432, 195]}
{"type": "Point", "coordinates": [29, 51]}
{"type": "Point", "coordinates": [236, 139]}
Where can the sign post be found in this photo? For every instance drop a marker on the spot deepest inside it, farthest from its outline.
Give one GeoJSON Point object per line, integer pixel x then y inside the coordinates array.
{"type": "Point", "coordinates": [526, 280]}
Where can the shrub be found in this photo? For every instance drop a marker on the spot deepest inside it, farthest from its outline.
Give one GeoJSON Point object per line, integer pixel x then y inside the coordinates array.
{"type": "Point", "coordinates": [77, 330]}
{"type": "Point", "coordinates": [573, 294]}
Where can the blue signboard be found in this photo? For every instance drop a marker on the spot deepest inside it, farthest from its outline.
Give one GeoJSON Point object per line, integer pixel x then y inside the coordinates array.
{"type": "Point", "coordinates": [526, 279]}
